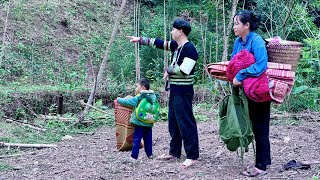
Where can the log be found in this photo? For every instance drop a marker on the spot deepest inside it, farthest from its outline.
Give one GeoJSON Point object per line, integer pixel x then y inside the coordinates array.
{"type": "Point", "coordinates": [60, 104]}
{"type": "Point", "coordinates": [2, 144]}
{"type": "Point", "coordinates": [25, 124]}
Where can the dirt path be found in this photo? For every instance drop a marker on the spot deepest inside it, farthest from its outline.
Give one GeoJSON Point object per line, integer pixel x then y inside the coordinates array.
{"type": "Point", "coordinates": [93, 157]}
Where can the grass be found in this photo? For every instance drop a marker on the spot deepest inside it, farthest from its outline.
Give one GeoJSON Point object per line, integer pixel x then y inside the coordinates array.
{"type": "Point", "coordinates": [4, 167]}
{"type": "Point", "coordinates": [204, 112]}
{"type": "Point", "coordinates": [14, 88]}
{"type": "Point", "coordinates": [289, 121]}
{"type": "Point", "coordinates": [55, 130]}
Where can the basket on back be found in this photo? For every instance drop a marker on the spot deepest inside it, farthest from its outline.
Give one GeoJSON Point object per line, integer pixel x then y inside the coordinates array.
{"type": "Point", "coordinates": [124, 129]}
{"type": "Point", "coordinates": [284, 52]}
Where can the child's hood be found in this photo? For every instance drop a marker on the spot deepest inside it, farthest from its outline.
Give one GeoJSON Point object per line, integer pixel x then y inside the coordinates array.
{"type": "Point", "coordinates": [149, 95]}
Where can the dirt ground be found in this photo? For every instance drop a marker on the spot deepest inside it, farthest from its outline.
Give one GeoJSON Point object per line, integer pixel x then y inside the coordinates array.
{"type": "Point", "coordinates": [94, 156]}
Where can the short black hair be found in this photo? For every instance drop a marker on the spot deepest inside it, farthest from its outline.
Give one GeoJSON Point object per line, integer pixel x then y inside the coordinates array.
{"type": "Point", "coordinates": [249, 16]}
{"type": "Point", "coordinates": [144, 82]}
{"type": "Point", "coordinates": [182, 24]}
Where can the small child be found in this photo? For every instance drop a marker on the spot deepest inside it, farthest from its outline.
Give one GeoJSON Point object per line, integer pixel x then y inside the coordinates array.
{"type": "Point", "coordinates": [141, 129]}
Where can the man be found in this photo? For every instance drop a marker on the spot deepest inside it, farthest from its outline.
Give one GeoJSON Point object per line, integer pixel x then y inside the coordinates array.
{"type": "Point", "coordinates": [182, 124]}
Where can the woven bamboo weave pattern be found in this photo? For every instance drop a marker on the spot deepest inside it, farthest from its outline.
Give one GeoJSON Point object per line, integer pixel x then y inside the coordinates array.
{"type": "Point", "coordinates": [124, 129]}
{"type": "Point", "coordinates": [284, 53]}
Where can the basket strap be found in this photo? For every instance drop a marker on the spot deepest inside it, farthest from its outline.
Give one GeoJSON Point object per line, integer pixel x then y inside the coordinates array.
{"type": "Point", "coordinates": [254, 37]}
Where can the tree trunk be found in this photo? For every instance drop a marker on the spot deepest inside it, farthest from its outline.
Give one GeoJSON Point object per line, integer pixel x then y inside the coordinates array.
{"type": "Point", "coordinates": [103, 63]}
{"type": "Point", "coordinates": [226, 34]}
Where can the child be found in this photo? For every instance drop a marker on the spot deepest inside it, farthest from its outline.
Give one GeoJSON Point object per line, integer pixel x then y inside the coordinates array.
{"type": "Point", "coordinates": [141, 129]}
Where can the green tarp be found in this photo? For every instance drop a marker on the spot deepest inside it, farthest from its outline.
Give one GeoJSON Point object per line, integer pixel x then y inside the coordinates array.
{"type": "Point", "coordinates": [235, 127]}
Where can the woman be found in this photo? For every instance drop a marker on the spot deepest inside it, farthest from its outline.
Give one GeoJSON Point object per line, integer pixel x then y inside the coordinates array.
{"type": "Point", "coordinates": [245, 22]}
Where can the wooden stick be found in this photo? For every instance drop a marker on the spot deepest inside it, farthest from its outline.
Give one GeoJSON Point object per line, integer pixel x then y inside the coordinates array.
{"type": "Point", "coordinates": [86, 122]}
{"type": "Point", "coordinates": [283, 149]}
{"type": "Point", "coordinates": [2, 144]}
{"type": "Point", "coordinates": [58, 118]}
{"type": "Point", "coordinates": [25, 124]}
{"type": "Point", "coordinates": [86, 104]}
{"type": "Point", "coordinates": [9, 156]}
{"type": "Point", "coordinates": [86, 133]}
{"type": "Point", "coordinates": [15, 155]}
{"type": "Point", "coordinates": [278, 177]}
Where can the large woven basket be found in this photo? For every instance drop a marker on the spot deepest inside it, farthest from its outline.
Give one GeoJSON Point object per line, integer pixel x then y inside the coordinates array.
{"type": "Point", "coordinates": [124, 129]}
{"type": "Point", "coordinates": [286, 52]}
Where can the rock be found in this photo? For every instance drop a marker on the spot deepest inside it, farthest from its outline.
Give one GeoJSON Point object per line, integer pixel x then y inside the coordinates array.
{"type": "Point", "coordinates": [66, 137]}
{"type": "Point", "coordinates": [286, 139]}
{"type": "Point", "coordinates": [17, 167]}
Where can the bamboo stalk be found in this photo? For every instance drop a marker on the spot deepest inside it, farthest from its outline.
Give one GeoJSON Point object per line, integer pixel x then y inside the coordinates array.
{"type": "Point", "coordinates": [226, 32]}
{"type": "Point", "coordinates": [2, 144]}
{"type": "Point", "coordinates": [217, 34]}
{"type": "Point", "coordinates": [45, 117]}
{"type": "Point", "coordinates": [4, 32]}
{"type": "Point", "coordinates": [136, 33]}
{"type": "Point", "coordinates": [291, 6]}
{"type": "Point", "coordinates": [165, 57]}
{"type": "Point", "coordinates": [25, 124]}
{"type": "Point", "coordinates": [103, 64]}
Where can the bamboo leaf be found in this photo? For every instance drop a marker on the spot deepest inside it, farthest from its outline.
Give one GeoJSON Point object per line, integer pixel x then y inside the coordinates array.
{"type": "Point", "coordinates": [300, 89]}
{"type": "Point", "coordinates": [307, 70]}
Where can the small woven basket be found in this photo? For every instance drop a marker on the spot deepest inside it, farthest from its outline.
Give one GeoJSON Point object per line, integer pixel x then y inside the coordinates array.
{"type": "Point", "coordinates": [287, 52]}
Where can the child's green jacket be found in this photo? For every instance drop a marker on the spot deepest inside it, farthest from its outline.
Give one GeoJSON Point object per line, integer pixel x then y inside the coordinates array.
{"type": "Point", "coordinates": [134, 102]}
